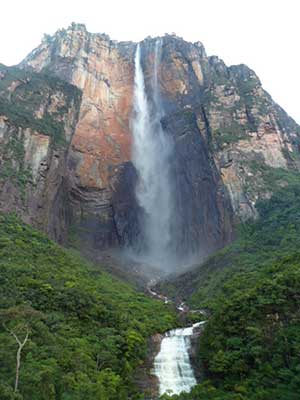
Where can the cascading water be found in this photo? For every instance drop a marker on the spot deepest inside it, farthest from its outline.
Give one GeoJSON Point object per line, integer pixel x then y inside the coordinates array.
{"type": "Point", "coordinates": [151, 158]}
{"type": "Point", "coordinates": [172, 364]}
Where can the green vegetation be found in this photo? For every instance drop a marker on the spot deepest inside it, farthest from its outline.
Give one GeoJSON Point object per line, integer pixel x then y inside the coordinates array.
{"type": "Point", "coordinates": [247, 83]}
{"type": "Point", "coordinates": [276, 234]}
{"type": "Point", "coordinates": [24, 96]}
{"type": "Point", "coordinates": [266, 180]}
{"type": "Point", "coordinates": [23, 93]}
{"type": "Point", "coordinates": [13, 166]}
{"type": "Point", "coordinates": [250, 347]}
{"type": "Point", "coordinates": [230, 134]}
{"type": "Point", "coordinates": [232, 131]}
{"type": "Point", "coordinates": [87, 331]}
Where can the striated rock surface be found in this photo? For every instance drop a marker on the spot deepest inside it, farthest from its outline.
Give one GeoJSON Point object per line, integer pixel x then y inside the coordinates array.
{"type": "Point", "coordinates": [38, 114]}
{"type": "Point", "coordinates": [100, 149]}
{"type": "Point", "coordinates": [246, 133]}
{"type": "Point", "coordinates": [232, 142]}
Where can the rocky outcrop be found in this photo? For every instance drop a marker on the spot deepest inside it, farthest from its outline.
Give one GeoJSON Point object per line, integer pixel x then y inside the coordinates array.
{"type": "Point", "coordinates": [228, 135]}
{"type": "Point", "coordinates": [246, 132]}
{"type": "Point", "coordinates": [251, 135]}
{"type": "Point", "coordinates": [38, 115]}
{"type": "Point", "coordinates": [146, 381]}
{"type": "Point", "coordinates": [203, 208]}
{"type": "Point", "coordinates": [100, 149]}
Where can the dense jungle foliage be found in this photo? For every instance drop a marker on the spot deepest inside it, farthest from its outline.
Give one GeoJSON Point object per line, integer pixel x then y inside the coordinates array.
{"type": "Point", "coordinates": [250, 347]}
{"type": "Point", "coordinates": [87, 331]}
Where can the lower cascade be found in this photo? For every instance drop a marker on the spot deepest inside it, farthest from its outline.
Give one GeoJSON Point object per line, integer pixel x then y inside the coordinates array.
{"type": "Point", "coordinates": [172, 364]}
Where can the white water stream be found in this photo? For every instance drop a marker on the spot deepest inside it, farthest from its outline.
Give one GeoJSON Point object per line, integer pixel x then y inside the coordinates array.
{"type": "Point", "coordinates": [172, 364]}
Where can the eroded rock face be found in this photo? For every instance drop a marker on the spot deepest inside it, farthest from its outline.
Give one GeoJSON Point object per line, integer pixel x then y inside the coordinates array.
{"type": "Point", "coordinates": [102, 203]}
{"type": "Point", "coordinates": [101, 145]}
{"type": "Point", "coordinates": [226, 129]}
{"type": "Point", "coordinates": [246, 133]}
{"type": "Point", "coordinates": [38, 115]}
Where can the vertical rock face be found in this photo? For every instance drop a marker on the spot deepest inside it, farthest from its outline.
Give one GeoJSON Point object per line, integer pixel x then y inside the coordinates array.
{"type": "Point", "coordinates": [202, 205]}
{"type": "Point", "coordinates": [100, 149]}
{"type": "Point", "coordinates": [246, 134]}
{"type": "Point", "coordinates": [228, 134]}
{"type": "Point", "coordinates": [102, 202]}
{"type": "Point", "coordinates": [38, 115]}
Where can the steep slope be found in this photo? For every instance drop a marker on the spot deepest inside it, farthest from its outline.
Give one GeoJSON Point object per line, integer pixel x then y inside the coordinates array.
{"type": "Point", "coordinates": [273, 236]}
{"type": "Point", "coordinates": [249, 348]}
{"type": "Point", "coordinates": [38, 114]}
{"type": "Point", "coordinates": [227, 132]}
{"type": "Point", "coordinates": [87, 331]}
{"type": "Point", "coordinates": [102, 181]}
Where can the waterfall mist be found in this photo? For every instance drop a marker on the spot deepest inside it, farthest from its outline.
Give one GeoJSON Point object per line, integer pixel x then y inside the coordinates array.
{"type": "Point", "coordinates": [151, 155]}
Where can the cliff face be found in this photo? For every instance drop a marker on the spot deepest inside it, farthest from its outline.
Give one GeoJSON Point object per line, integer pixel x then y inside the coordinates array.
{"type": "Point", "coordinates": [247, 134]}
{"type": "Point", "coordinates": [229, 135]}
{"type": "Point", "coordinates": [38, 115]}
{"type": "Point", "coordinates": [100, 149]}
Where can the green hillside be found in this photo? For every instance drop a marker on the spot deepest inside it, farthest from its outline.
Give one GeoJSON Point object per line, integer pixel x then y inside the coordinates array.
{"type": "Point", "coordinates": [250, 347]}
{"type": "Point", "coordinates": [87, 330]}
{"type": "Point", "coordinates": [274, 235]}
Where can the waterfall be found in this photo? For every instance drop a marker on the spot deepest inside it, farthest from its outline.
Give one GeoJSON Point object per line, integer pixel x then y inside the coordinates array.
{"type": "Point", "coordinates": [151, 157]}
{"type": "Point", "coordinates": [172, 364]}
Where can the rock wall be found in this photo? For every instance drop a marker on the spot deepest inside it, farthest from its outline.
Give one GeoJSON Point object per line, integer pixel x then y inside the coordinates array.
{"type": "Point", "coordinates": [100, 148]}
{"type": "Point", "coordinates": [38, 115]}
{"type": "Point", "coordinates": [245, 131]}
{"type": "Point", "coordinates": [227, 131]}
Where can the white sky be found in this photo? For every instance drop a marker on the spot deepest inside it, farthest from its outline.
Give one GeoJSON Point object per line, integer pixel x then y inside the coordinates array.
{"type": "Point", "coordinates": [264, 34]}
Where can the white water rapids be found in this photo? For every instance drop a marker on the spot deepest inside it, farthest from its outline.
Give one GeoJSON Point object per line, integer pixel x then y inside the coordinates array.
{"type": "Point", "coordinates": [172, 364]}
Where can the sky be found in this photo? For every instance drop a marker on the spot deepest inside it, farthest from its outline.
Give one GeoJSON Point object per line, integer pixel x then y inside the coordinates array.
{"type": "Point", "coordinates": [264, 34]}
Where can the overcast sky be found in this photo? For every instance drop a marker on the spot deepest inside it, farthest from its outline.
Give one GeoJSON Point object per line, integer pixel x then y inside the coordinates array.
{"type": "Point", "coordinates": [264, 34]}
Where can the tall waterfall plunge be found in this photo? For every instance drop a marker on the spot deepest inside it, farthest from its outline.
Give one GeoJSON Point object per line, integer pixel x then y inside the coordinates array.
{"type": "Point", "coordinates": [152, 151]}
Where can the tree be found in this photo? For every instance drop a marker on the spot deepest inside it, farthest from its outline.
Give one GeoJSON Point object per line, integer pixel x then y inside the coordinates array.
{"type": "Point", "coordinates": [16, 321]}
{"type": "Point", "coordinates": [21, 344]}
